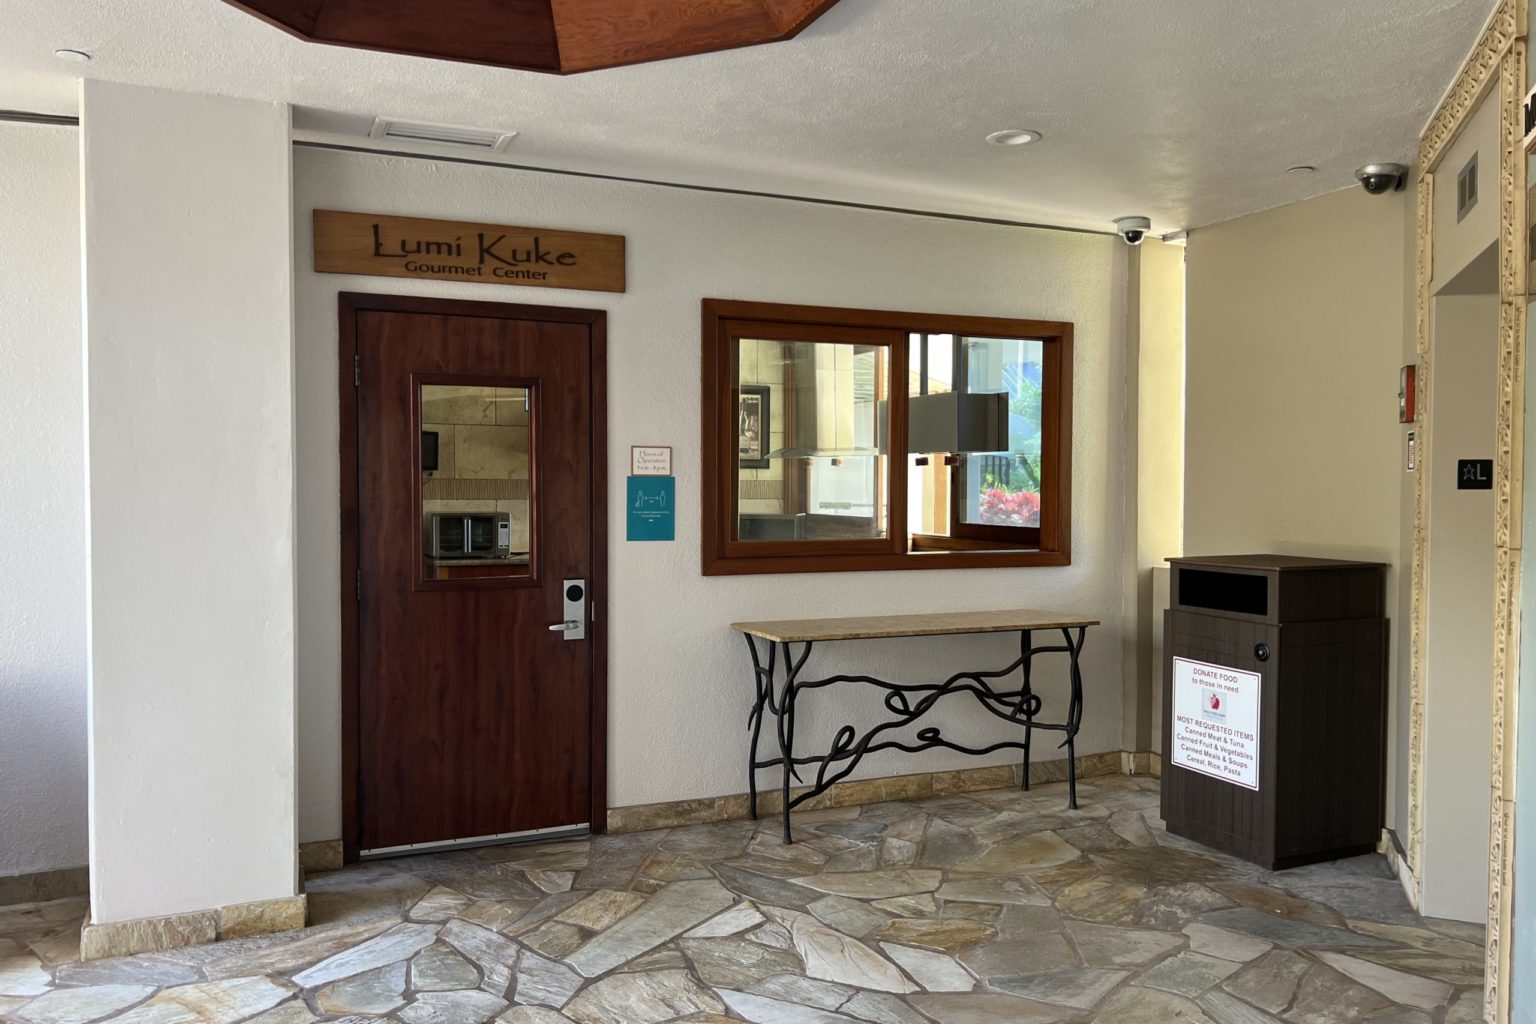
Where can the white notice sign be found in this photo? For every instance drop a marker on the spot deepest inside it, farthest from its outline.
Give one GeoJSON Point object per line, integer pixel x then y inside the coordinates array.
{"type": "Point", "coordinates": [1216, 721]}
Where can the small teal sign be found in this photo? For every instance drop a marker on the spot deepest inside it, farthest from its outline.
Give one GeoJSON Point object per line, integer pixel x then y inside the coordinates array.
{"type": "Point", "coordinates": [652, 508]}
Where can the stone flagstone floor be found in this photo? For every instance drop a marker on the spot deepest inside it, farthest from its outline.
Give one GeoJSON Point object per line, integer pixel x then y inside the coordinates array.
{"type": "Point", "coordinates": [987, 907]}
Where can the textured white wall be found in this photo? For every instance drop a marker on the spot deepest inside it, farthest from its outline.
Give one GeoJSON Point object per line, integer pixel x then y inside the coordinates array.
{"type": "Point", "coordinates": [42, 559]}
{"type": "Point", "coordinates": [189, 434]}
{"type": "Point", "coordinates": [678, 680]}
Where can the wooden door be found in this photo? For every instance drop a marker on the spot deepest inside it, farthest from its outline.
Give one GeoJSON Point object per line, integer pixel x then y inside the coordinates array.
{"type": "Point", "coordinates": [472, 717]}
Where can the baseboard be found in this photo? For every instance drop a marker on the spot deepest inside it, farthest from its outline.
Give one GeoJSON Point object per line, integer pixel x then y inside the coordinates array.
{"type": "Point", "coordinates": [153, 934]}
{"type": "Point", "coordinates": [673, 814]}
{"type": "Point", "coordinates": [322, 855]}
{"type": "Point", "coordinates": [1397, 859]}
{"type": "Point", "coordinates": [326, 854]}
{"type": "Point", "coordinates": [1143, 762]}
{"type": "Point", "coordinates": [42, 886]}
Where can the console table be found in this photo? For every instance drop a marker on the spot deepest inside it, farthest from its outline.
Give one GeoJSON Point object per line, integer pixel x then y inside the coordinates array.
{"type": "Point", "coordinates": [780, 650]}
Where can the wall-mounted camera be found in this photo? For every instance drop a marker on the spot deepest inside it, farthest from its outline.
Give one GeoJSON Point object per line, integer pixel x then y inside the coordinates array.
{"type": "Point", "coordinates": [1133, 229]}
{"type": "Point", "coordinates": [1379, 179]}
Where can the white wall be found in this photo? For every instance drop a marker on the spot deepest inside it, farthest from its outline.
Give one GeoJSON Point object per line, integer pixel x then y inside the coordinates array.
{"type": "Point", "coordinates": [189, 411]}
{"type": "Point", "coordinates": [1457, 708]}
{"type": "Point", "coordinates": [679, 681]}
{"type": "Point", "coordinates": [42, 602]}
{"type": "Point", "coordinates": [1292, 445]}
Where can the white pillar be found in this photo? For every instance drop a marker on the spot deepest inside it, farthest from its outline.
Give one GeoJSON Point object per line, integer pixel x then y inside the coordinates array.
{"type": "Point", "coordinates": [187, 252]}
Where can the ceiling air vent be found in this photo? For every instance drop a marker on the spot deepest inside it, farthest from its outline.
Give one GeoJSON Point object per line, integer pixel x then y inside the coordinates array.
{"type": "Point", "coordinates": [440, 134]}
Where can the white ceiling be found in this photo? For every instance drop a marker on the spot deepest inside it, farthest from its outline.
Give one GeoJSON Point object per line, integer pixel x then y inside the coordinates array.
{"type": "Point", "coordinates": [1189, 111]}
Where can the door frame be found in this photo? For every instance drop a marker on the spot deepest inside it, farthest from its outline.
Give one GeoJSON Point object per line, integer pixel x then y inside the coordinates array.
{"type": "Point", "coordinates": [349, 305]}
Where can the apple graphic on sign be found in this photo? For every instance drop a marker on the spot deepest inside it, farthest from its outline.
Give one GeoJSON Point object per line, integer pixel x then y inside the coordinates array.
{"type": "Point", "coordinates": [1215, 702]}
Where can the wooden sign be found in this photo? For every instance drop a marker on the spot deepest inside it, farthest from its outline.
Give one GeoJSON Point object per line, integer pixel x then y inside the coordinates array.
{"type": "Point", "coordinates": [444, 250]}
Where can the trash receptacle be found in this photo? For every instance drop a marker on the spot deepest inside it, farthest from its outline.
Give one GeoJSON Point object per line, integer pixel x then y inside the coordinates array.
{"type": "Point", "coordinates": [1274, 706]}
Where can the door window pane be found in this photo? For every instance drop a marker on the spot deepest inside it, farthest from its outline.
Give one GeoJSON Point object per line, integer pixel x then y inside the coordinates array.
{"type": "Point", "coordinates": [476, 481]}
{"type": "Point", "coordinates": [813, 423]}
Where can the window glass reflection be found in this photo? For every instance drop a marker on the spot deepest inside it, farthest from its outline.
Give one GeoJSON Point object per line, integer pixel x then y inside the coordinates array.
{"type": "Point", "coordinates": [476, 481]}
{"type": "Point", "coordinates": [813, 421]}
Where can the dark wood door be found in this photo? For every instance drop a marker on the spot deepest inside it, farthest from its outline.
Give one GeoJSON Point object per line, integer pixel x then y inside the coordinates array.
{"type": "Point", "coordinates": [474, 718]}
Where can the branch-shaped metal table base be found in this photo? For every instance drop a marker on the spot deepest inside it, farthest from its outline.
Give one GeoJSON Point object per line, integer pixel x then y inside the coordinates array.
{"type": "Point", "coordinates": [778, 665]}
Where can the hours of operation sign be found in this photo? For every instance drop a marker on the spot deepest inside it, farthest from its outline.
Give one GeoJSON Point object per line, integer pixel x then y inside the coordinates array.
{"type": "Point", "coordinates": [1216, 721]}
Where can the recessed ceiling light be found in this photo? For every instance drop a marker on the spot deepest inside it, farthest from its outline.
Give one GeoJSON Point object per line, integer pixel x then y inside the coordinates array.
{"type": "Point", "coordinates": [77, 56]}
{"type": "Point", "coordinates": [1013, 137]}
{"type": "Point", "coordinates": [1301, 169]}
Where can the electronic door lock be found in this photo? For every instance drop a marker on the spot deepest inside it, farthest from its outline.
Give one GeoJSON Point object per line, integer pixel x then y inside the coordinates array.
{"type": "Point", "coordinates": [574, 594]}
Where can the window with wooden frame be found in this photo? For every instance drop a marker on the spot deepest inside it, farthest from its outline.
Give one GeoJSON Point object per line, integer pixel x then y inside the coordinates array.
{"type": "Point", "coordinates": [840, 440]}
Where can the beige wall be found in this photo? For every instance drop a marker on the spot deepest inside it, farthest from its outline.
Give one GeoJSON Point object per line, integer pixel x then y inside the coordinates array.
{"type": "Point", "coordinates": [1457, 243]}
{"type": "Point", "coordinates": [1155, 454]}
{"type": "Point", "coordinates": [1296, 320]}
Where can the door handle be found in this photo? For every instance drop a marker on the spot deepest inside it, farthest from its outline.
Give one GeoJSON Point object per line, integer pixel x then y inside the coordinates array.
{"type": "Point", "coordinates": [568, 626]}
{"type": "Point", "coordinates": [574, 594]}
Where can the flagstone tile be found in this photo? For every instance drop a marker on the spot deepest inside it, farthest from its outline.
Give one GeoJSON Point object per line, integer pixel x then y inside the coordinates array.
{"type": "Point", "coordinates": [377, 991]}
{"type": "Point", "coordinates": [1171, 907]}
{"type": "Point", "coordinates": [1269, 982]}
{"type": "Point", "coordinates": [439, 904]}
{"type": "Point", "coordinates": [830, 955]}
{"type": "Point", "coordinates": [1226, 1009]}
{"type": "Point", "coordinates": [1325, 996]}
{"type": "Point", "coordinates": [72, 1005]}
{"type": "Point", "coordinates": [1111, 946]}
{"type": "Point", "coordinates": [494, 954]}
{"type": "Point", "coordinates": [765, 889]}
{"type": "Point", "coordinates": [874, 885]}
{"type": "Point", "coordinates": [212, 1002]}
{"type": "Point", "coordinates": [532, 1015]}
{"type": "Point", "coordinates": [1188, 974]}
{"type": "Point", "coordinates": [736, 963]}
{"type": "Point", "coordinates": [399, 943]}
{"type": "Point", "coordinates": [440, 967]}
{"type": "Point", "coordinates": [678, 908]}
{"type": "Point", "coordinates": [667, 958]}
{"type": "Point", "coordinates": [941, 934]}
{"type": "Point", "coordinates": [986, 1008]}
{"type": "Point", "coordinates": [466, 1007]}
{"type": "Point", "coordinates": [740, 918]}
{"type": "Point", "coordinates": [854, 917]}
{"type": "Point", "coordinates": [642, 999]}
{"type": "Point", "coordinates": [1285, 932]}
{"type": "Point", "coordinates": [1398, 986]}
{"type": "Point", "coordinates": [921, 905]}
{"type": "Point", "coordinates": [544, 981]}
{"type": "Point", "coordinates": [1219, 942]}
{"type": "Point", "coordinates": [1149, 1006]}
{"type": "Point", "coordinates": [1451, 970]}
{"type": "Point", "coordinates": [1000, 889]}
{"type": "Point", "coordinates": [1034, 954]}
{"type": "Point", "coordinates": [1281, 904]}
{"type": "Point", "coordinates": [762, 1009]}
{"type": "Point", "coordinates": [935, 972]}
{"type": "Point", "coordinates": [571, 855]}
{"type": "Point", "coordinates": [601, 909]}
{"type": "Point", "coordinates": [1079, 989]}
{"type": "Point", "coordinates": [555, 939]}
{"type": "Point", "coordinates": [882, 1009]}
{"type": "Point", "coordinates": [807, 991]}
{"type": "Point", "coordinates": [23, 975]}
{"type": "Point", "coordinates": [1105, 899]}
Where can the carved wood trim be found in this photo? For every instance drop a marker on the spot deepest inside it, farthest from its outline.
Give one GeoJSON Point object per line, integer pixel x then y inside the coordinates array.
{"type": "Point", "coordinates": [1499, 58]}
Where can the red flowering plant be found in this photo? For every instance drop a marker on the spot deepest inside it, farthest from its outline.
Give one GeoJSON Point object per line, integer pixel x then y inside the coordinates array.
{"type": "Point", "coordinates": [1002, 507]}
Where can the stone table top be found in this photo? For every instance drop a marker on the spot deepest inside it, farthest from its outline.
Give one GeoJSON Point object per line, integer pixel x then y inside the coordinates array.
{"type": "Point", "coordinates": [927, 624]}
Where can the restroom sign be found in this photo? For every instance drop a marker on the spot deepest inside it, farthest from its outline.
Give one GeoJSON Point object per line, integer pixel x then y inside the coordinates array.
{"type": "Point", "coordinates": [1216, 721]}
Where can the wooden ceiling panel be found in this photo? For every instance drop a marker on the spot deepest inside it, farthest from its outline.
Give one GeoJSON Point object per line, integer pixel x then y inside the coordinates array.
{"type": "Point", "coordinates": [559, 36]}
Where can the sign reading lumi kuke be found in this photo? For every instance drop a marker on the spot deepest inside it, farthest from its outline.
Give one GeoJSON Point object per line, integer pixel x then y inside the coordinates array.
{"type": "Point", "coordinates": [443, 250]}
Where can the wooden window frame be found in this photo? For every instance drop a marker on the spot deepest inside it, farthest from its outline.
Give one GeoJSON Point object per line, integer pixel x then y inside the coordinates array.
{"type": "Point", "coordinates": [724, 321]}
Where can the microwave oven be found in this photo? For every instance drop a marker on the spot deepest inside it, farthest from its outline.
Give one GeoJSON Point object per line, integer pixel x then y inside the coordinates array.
{"type": "Point", "coordinates": [469, 535]}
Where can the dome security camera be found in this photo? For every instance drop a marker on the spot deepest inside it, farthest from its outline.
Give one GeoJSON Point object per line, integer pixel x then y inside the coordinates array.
{"type": "Point", "coordinates": [1133, 229]}
{"type": "Point", "coordinates": [1379, 179]}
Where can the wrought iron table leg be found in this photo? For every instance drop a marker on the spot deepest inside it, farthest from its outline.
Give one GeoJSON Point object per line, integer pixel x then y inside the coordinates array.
{"type": "Point", "coordinates": [1074, 713]}
{"type": "Point", "coordinates": [1026, 641]}
{"type": "Point", "coordinates": [763, 682]}
{"type": "Point", "coordinates": [792, 666]}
